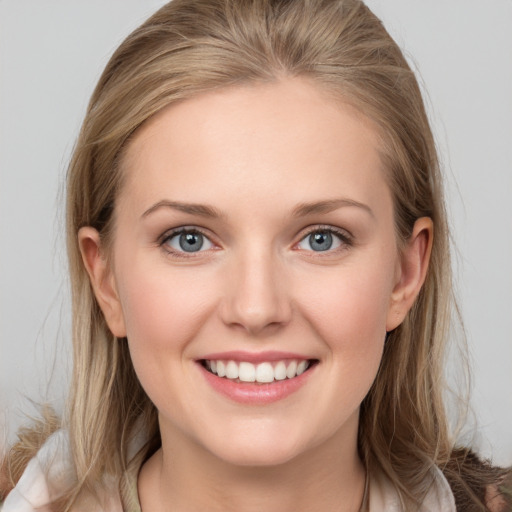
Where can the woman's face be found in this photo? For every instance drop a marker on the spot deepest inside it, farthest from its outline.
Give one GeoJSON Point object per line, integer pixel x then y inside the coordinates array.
{"type": "Point", "coordinates": [255, 236]}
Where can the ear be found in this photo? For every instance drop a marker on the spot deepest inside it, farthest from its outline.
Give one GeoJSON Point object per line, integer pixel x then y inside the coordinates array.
{"type": "Point", "coordinates": [102, 279]}
{"type": "Point", "coordinates": [411, 271]}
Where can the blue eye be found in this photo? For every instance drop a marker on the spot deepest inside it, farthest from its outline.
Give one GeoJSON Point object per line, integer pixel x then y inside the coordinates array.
{"type": "Point", "coordinates": [188, 241]}
{"type": "Point", "coordinates": [322, 240]}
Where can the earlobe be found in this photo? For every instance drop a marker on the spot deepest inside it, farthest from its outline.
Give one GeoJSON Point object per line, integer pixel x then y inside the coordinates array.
{"type": "Point", "coordinates": [413, 266]}
{"type": "Point", "coordinates": [102, 279]}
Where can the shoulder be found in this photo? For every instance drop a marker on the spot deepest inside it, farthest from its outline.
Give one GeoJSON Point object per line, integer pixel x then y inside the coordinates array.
{"type": "Point", "coordinates": [495, 498]}
{"type": "Point", "coordinates": [46, 476]}
{"type": "Point", "coordinates": [477, 484]}
{"type": "Point", "coordinates": [50, 476]}
{"type": "Point", "coordinates": [383, 495]}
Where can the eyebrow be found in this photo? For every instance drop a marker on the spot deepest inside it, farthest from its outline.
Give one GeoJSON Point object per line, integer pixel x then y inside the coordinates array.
{"type": "Point", "coordinates": [327, 206]}
{"type": "Point", "coordinates": [193, 209]}
{"type": "Point", "coordinates": [301, 210]}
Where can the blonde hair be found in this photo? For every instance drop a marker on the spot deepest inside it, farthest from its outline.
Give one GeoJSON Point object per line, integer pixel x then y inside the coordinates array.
{"type": "Point", "coordinates": [192, 46]}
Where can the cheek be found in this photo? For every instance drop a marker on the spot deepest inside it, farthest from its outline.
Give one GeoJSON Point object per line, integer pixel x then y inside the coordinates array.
{"type": "Point", "coordinates": [163, 312]}
{"type": "Point", "coordinates": [358, 302]}
{"type": "Point", "coordinates": [162, 309]}
{"type": "Point", "coordinates": [349, 309]}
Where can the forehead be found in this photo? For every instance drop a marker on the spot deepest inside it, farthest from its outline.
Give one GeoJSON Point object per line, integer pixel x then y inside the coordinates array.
{"type": "Point", "coordinates": [287, 139]}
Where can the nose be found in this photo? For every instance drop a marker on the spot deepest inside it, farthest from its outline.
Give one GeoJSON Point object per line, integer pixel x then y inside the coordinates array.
{"type": "Point", "coordinates": [257, 298]}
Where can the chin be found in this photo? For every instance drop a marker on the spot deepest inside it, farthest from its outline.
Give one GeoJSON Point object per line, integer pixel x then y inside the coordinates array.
{"type": "Point", "coordinates": [259, 449]}
{"type": "Point", "coordinates": [261, 458]}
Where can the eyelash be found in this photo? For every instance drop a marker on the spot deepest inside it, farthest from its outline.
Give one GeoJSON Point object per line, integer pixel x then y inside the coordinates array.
{"type": "Point", "coordinates": [169, 235]}
{"type": "Point", "coordinates": [345, 238]}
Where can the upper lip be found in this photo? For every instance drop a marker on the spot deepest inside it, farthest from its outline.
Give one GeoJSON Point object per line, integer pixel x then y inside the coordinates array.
{"type": "Point", "coordinates": [253, 357]}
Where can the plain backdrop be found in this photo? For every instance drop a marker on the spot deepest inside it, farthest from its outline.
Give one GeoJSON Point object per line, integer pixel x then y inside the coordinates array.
{"type": "Point", "coordinates": [51, 54]}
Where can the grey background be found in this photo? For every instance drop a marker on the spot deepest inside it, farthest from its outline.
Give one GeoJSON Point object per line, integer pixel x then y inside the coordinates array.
{"type": "Point", "coordinates": [51, 54]}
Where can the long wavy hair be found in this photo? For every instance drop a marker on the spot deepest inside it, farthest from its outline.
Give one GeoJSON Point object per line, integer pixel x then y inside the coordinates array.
{"type": "Point", "coordinates": [192, 46]}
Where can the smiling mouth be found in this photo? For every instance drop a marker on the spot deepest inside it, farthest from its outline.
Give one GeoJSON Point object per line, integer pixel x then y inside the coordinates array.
{"type": "Point", "coordinates": [262, 373]}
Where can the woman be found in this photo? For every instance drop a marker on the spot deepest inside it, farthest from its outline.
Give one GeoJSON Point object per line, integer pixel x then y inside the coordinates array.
{"type": "Point", "coordinates": [261, 283]}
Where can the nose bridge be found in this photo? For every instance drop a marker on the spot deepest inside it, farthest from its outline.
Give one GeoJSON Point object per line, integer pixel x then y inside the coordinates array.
{"type": "Point", "coordinates": [256, 296]}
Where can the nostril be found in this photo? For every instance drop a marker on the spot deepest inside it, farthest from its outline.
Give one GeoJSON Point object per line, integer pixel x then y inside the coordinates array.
{"type": "Point", "coordinates": [256, 300]}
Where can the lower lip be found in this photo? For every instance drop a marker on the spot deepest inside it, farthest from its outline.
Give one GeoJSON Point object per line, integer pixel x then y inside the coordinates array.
{"type": "Point", "coordinates": [256, 394]}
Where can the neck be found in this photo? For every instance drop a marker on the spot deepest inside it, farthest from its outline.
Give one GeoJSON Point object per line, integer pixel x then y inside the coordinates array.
{"type": "Point", "coordinates": [183, 476]}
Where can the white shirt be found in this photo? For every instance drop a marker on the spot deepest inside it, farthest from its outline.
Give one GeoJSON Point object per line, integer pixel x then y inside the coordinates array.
{"type": "Point", "coordinates": [50, 473]}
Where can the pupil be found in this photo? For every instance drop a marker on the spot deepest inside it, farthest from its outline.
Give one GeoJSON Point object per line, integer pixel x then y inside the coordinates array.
{"type": "Point", "coordinates": [191, 242]}
{"type": "Point", "coordinates": [320, 241]}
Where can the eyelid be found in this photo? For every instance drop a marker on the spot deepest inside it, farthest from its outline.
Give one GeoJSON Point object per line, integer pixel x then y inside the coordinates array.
{"type": "Point", "coordinates": [171, 233]}
{"type": "Point", "coordinates": [345, 237]}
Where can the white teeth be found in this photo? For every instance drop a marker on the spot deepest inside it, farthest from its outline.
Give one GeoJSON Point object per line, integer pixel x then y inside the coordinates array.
{"type": "Point", "coordinates": [221, 369]}
{"type": "Point", "coordinates": [291, 371]}
{"type": "Point", "coordinates": [301, 367]}
{"type": "Point", "coordinates": [263, 372]}
{"type": "Point", "coordinates": [232, 370]}
{"type": "Point", "coordinates": [280, 371]}
{"type": "Point", "coordinates": [247, 372]}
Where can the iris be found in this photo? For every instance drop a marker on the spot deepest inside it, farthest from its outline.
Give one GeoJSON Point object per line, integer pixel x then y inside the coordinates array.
{"type": "Point", "coordinates": [320, 241]}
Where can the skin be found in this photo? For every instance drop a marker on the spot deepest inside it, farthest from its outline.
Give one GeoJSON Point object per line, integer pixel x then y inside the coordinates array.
{"type": "Point", "coordinates": [256, 155]}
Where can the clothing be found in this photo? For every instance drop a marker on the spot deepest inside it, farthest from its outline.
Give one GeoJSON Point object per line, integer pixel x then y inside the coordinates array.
{"type": "Point", "coordinates": [49, 473]}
